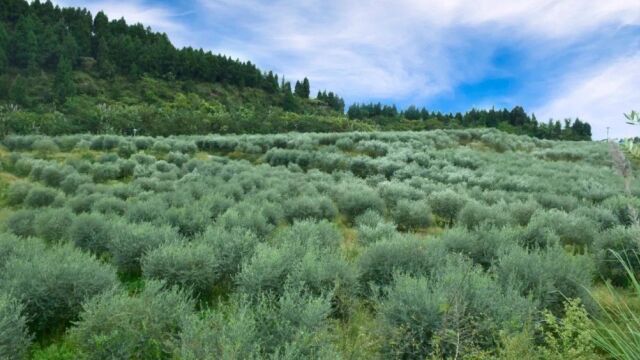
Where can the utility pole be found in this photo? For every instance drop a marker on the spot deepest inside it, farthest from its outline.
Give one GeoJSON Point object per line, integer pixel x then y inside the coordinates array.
{"type": "Point", "coordinates": [607, 134]}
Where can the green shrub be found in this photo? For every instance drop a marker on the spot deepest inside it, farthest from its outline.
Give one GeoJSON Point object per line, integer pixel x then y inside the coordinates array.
{"type": "Point", "coordinates": [454, 312]}
{"type": "Point", "coordinates": [110, 205]}
{"type": "Point", "coordinates": [572, 230]}
{"type": "Point", "coordinates": [482, 245]}
{"type": "Point", "coordinates": [246, 217]}
{"type": "Point", "coordinates": [475, 214]}
{"type": "Point", "coordinates": [321, 234]}
{"type": "Point", "coordinates": [292, 326]}
{"type": "Point", "coordinates": [91, 232]}
{"type": "Point", "coordinates": [71, 183]}
{"type": "Point", "coordinates": [105, 172]}
{"type": "Point", "coordinates": [54, 285]}
{"type": "Point", "coordinates": [189, 220]}
{"type": "Point", "coordinates": [310, 207]}
{"type": "Point", "coordinates": [379, 261]}
{"type": "Point", "coordinates": [372, 228]}
{"type": "Point", "coordinates": [625, 208]}
{"type": "Point", "coordinates": [447, 204]}
{"type": "Point", "coordinates": [21, 223]}
{"type": "Point", "coordinates": [354, 200]}
{"type": "Point", "coordinates": [52, 175]}
{"type": "Point", "coordinates": [14, 335]}
{"type": "Point", "coordinates": [17, 192]}
{"type": "Point", "coordinates": [619, 241]}
{"type": "Point", "coordinates": [233, 247]}
{"type": "Point", "coordinates": [146, 211]}
{"type": "Point", "coordinates": [219, 335]}
{"type": "Point", "coordinates": [53, 224]}
{"type": "Point", "coordinates": [412, 215]}
{"type": "Point", "coordinates": [130, 242]}
{"type": "Point", "coordinates": [192, 266]}
{"type": "Point", "coordinates": [548, 276]}
{"type": "Point", "coordinates": [115, 325]}
{"type": "Point", "coordinates": [267, 270]}
{"type": "Point", "coordinates": [40, 197]}
{"type": "Point", "coordinates": [13, 247]}
{"type": "Point", "coordinates": [45, 146]}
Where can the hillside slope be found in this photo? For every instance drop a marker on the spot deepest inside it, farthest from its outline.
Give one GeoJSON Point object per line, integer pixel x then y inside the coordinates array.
{"type": "Point", "coordinates": [63, 70]}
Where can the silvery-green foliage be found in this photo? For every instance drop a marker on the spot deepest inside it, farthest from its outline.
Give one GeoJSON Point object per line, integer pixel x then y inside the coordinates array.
{"type": "Point", "coordinates": [548, 276]}
{"type": "Point", "coordinates": [189, 220]}
{"type": "Point", "coordinates": [71, 183]}
{"type": "Point", "coordinates": [460, 304]}
{"type": "Point", "coordinates": [130, 242]}
{"type": "Point", "coordinates": [407, 254]}
{"type": "Point", "coordinates": [355, 199]}
{"type": "Point", "coordinates": [412, 215]}
{"type": "Point", "coordinates": [146, 325]}
{"type": "Point", "coordinates": [625, 208]}
{"type": "Point", "coordinates": [17, 192]}
{"type": "Point", "coordinates": [146, 210]}
{"type": "Point", "coordinates": [14, 335]}
{"type": "Point", "coordinates": [482, 245]}
{"type": "Point", "coordinates": [309, 207]}
{"type": "Point", "coordinates": [21, 223]}
{"type": "Point", "coordinates": [572, 230]}
{"type": "Point", "coordinates": [372, 227]}
{"type": "Point", "coordinates": [192, 266]}
{"type": "Point", "coordinates": [312, 234]}
{"type": "Point", "coordinates": [39, 196]}
{"type": "Point", "coordinates": [53, 224]}
{"type": "Point", "coordinates": [232, 248]}
{"type": "Point", "coordinates": [446, 204]}
{"type": "Point", "coordinates": [105, 172]}
{"type": "Point", "coordinates": [109, 205]}
{"type": "Point", "coordinates": [91, 232]}
{"type": "Point", "coordinates": [54, 285]}
{"type": "Point", "coordinates": [13, 247]}
{"type": "Point", "coordinates": [603, 217]}
{"type": "Point", "coordinates": [245, 216]}
{"type": "Point", "coordinates": [304, 255]}
{"type": "Point", "coordinates": [618, 241]}
{"type": "Point", "coordinates": [475, 214]}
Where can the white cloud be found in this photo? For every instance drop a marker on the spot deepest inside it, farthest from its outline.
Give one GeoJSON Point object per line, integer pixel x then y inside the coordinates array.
{"type": "Point", "coordinates": [600, 96]}
{"type": "Point", "coordinates": [403, 48]}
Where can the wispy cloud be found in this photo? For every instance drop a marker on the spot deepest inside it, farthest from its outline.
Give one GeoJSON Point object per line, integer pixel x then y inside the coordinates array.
{"type": "Point", "coordinates": [600, 96]}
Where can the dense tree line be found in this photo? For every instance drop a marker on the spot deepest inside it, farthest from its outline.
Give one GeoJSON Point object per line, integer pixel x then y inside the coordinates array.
{"type": "Point", "coordinates": [41, 36]}
{"type": "Point", "coordinates": [64, 66]}
{"type": "Point", "coordinates": [515, 120]}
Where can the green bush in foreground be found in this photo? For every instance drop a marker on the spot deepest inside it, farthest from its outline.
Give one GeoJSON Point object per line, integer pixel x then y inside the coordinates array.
{"type": "Point", "coordinates": [53, 285]}
{"type": "Point", "coordinates": [115, 325]}
{"type": "Point", "coordinates": [91, 232]}
{"type": "Point", "coordinates": [14, 335]}
{"type": "Point", "coordinates": [453, 312]}
{"type": "Point", "coordinates": [192, 266]}
{"type": "Point", "coordinates": [130, 242]}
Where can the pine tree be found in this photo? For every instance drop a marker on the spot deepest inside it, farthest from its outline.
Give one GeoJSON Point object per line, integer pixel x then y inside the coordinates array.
{"type": "Point", "coordinates": [4, 45]}
{"type": "Point", "coordinates": [306, 88]}
{"type": "Point", "coordinates": [18, 92]}
{"type": "Point", "coordinates": [105, 67]}
{"type": "Point", "coordinates": [63, 86]}
{"type": "Point", "coordinates": [298, 89]}
{"type": "Point", "coordinates": [25, 45]}
{"type": "Point", "coordinates": [288, 101]}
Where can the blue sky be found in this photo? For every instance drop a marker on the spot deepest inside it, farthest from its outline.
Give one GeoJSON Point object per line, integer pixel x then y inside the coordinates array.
{"type": "Point", "coordinates": [560, 58]}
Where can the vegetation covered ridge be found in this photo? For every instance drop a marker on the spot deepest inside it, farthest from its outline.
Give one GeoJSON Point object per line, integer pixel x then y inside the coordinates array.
{"type": "Point", "coordinates": [63, 70]}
